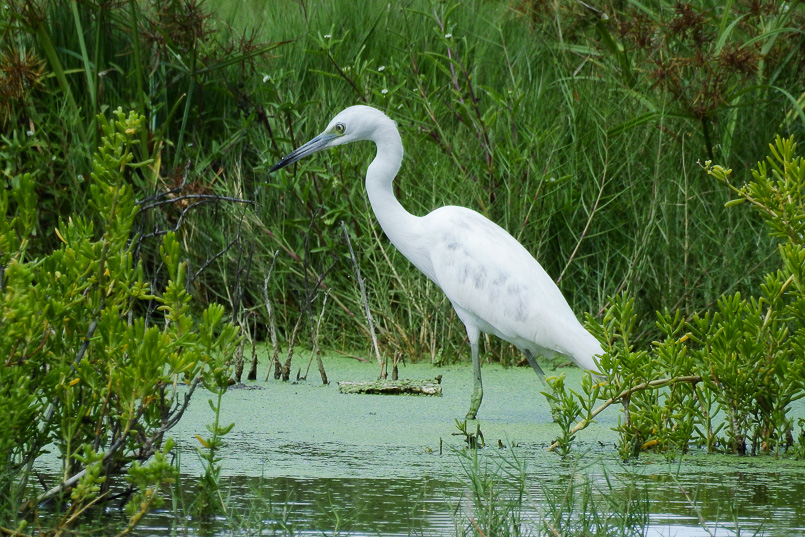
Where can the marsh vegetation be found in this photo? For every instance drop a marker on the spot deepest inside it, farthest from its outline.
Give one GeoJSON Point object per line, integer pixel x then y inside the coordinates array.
{"type": "Point", "coordinates": [646, 155]}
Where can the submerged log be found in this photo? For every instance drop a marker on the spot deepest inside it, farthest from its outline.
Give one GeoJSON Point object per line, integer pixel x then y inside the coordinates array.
{"type": "Point", "coordinates": [393, 387]}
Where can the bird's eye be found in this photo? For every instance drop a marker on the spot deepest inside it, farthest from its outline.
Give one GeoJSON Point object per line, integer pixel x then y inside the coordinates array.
{"type": "Point", "coordinates": [340, 128]}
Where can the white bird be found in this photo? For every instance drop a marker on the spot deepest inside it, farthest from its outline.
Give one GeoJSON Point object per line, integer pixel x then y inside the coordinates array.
{"type": "Point", "coordinates": [491, 280]}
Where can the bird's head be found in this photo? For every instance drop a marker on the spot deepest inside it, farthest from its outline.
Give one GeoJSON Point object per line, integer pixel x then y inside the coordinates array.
{"type": "Point", "coordinates": [352, 124]}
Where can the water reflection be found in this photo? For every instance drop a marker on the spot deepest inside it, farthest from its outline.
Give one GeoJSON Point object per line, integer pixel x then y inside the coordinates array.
{"type": "Point", "coordinates": [326, 506]}
{"type": "Point", "coordinates": [696, 498]}
{"type": "Point", "coordinates": [373, 465]}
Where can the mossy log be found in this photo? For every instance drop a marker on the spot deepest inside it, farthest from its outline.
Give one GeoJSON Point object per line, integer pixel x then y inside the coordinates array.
{"type": "Point", "coordinates": [393, 387]}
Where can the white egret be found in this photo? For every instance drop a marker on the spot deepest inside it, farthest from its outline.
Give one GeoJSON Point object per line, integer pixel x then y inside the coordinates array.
{"type": "Point", "coordinates": [491, 280]}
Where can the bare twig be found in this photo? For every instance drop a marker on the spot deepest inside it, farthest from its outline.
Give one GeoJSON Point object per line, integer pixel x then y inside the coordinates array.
{"type": "Point", "coordinates": [166, 198]}
{"type": "Point", "coordinates": [587, 225]}
{"type": "Point", "coordinates": [210, 197]}
{"type": "Point", "coordinates": [253, 369]}
{"type": "Point", "coordinates": [209, 261]}
{"type": "Point", "coordinates": [13, 533]}
{"type": "Point", "coordinates": [316, 350]}
{"type": "Point", "coordinates": [285, 371]}
{"type": "Point", "coordinates": [310, 293]}
{"type": "Point", "coordinates": [272, 328]}
{"type": "Point", "coordinates": [365, 301]}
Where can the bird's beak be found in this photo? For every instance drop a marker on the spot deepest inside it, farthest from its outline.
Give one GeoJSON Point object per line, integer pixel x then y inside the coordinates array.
{"type": "Point", "coordinates": [318, 143]}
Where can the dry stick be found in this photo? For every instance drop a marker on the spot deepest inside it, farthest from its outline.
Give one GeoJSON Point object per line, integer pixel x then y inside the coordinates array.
{"type": "Point", "coordinates": [308, 313]}
{"type": "Point", "coordinates": [314, 328]}
{"type": "Point", "coordinates": [316, 351]}
{"type": "Point", "coordinates": [158, 199]}
{"type": "Point", "coordinates": [586, 226]}
{"type": "Point", "coordinates": [308, 295]}
{"type": "Point", "coordinates": [209, 261]}
{"type": "Point", "coordinates": [272, 328]}
{"type": "Point", "coordinates": [71, 515]}
{"type": "Point", "coordinates": [625, 393]}
{"type": "Point", "coordinates": [13, 533]}
{"type": "Point", "coordinates": [285, 372]}
{"type": "Point", "coordinates": [174, 190]}
{"type": "Point", "coordinates": [208, 197]}
{"type": "Point", "coordinates": [348, 355]}
{"type": "Point", "coordinates": [241, 276]}
{"type": "Point", "coordinates": [316, 341]}
{"type": "Point", "coordinates": [253, 369]}
{"type": "Point", "coordinates": [365, 301]}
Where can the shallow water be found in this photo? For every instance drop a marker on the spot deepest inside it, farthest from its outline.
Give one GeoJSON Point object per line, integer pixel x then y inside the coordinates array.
{"type": "Point", "coordinates": [435, 507]}
{"type": "Point", "coordinates": [386, 465]}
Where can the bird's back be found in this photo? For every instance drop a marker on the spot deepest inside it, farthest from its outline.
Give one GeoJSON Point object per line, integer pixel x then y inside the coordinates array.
{"type": "Point", "coordinates": [495, 283]}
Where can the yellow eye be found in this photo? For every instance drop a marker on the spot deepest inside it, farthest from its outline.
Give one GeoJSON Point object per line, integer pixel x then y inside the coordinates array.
{"type": "Point", "coordinates": [340, 128]}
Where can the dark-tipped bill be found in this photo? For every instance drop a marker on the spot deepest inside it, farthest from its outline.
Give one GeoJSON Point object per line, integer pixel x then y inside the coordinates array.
{"type": "Point", "coordinates": [316, 144]}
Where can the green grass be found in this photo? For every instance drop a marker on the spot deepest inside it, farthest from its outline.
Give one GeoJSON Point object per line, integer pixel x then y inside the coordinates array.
{"type": "Point", "coordinates": [523, 112]}
{"type": "Point", "coordinates": [580, 135]}
{"type": "Point", "coordinates": [520, 126]}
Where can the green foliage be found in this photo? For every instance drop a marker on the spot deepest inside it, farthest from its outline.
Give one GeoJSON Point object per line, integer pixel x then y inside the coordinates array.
{"type": "Point", "coordinates": [553, 123]}
{"type": "Point", "coordinates": [146, 480]}
{"type": "Point", "coordinates": [702, 60]}
{"type": "Point", "coordinates": [99, 365]}
{"type": "Point", "coordinates": [566, 408]}
{"type": "Point", "coordinates": [499, 499]}
{"type": "Point", "coordinates": [207, 500]}
{"type": "Point", "coordinates": [577, 130]}
{"type": "Point", "coordinates": [728, 376]}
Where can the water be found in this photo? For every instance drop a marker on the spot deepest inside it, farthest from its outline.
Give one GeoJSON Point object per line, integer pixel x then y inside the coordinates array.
{"type": "Point", "coordinates": [324, 463]}
{"type": "Point", "coordinates": [756, 498]}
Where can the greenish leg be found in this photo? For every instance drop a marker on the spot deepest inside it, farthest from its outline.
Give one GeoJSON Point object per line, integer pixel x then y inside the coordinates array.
{"type": "Point", "coordinates": [535, 366]}
{"type": "Point", "coordinates": [540, 373]}
{"type": "Point", "coordinates": [477, 387]}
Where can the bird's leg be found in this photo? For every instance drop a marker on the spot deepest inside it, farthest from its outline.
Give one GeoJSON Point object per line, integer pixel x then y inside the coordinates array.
{"type": "Point", "coordinates": [477, 387]}
{"type": "Point", "coordinates": [535, 366]}
{"type": "Point", "coordinates": [540, 373]}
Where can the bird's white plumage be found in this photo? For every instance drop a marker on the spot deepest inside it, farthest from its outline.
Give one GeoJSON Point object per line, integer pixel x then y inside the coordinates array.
{"type": "Point", "coordinates": [500, 287]}
{"type": "Point", "coordinates": [495, 285]}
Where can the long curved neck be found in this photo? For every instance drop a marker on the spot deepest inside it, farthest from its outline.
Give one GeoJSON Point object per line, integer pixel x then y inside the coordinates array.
{"type": "Point", "coordinates": [398, 224]}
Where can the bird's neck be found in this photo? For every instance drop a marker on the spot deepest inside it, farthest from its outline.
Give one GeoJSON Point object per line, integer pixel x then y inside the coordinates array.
{"type": "Point", "coordinates": [398, 224]}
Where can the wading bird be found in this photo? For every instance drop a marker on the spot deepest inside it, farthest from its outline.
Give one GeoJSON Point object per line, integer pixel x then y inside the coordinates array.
{"type": "Point", "coordinates": [491, 280]}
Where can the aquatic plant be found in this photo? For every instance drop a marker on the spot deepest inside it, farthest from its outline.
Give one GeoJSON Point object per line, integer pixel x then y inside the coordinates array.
{"type": "Point", "coordinates": [501, 499]}
{"type": "Point", "coordinates": [100, 364]}
{"type": "Point", "coordinates": [207, 499]}
{"type": "Point", "coordinates": [577, 130]}
{"type": "Point", "coordinates": [724, 379]}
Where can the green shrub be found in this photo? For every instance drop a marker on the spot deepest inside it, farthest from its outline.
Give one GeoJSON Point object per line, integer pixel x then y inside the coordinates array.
{"type": "Point", "coordinates": [724, 379]}
{"type": "Point", "coordinates": [576, 132]}
{"type": "Point", "coordinates": [99, 365]}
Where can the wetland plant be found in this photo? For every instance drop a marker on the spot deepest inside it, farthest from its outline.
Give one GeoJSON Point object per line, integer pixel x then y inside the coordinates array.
{"type": "Point", "coordinates": [724, 379]}
{"type": "Point", "coordinates": [516, 84]}
{"type": "Point", "coordinates": [207, 499]}
{"type": "Point", "coordinates": [502, 499]}
{"type": "Point", "coordinates": [99, 363]}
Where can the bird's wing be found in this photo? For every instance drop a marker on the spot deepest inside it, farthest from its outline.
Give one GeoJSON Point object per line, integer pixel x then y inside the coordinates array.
{"type": "Point", "coordinates": [492, 278]}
